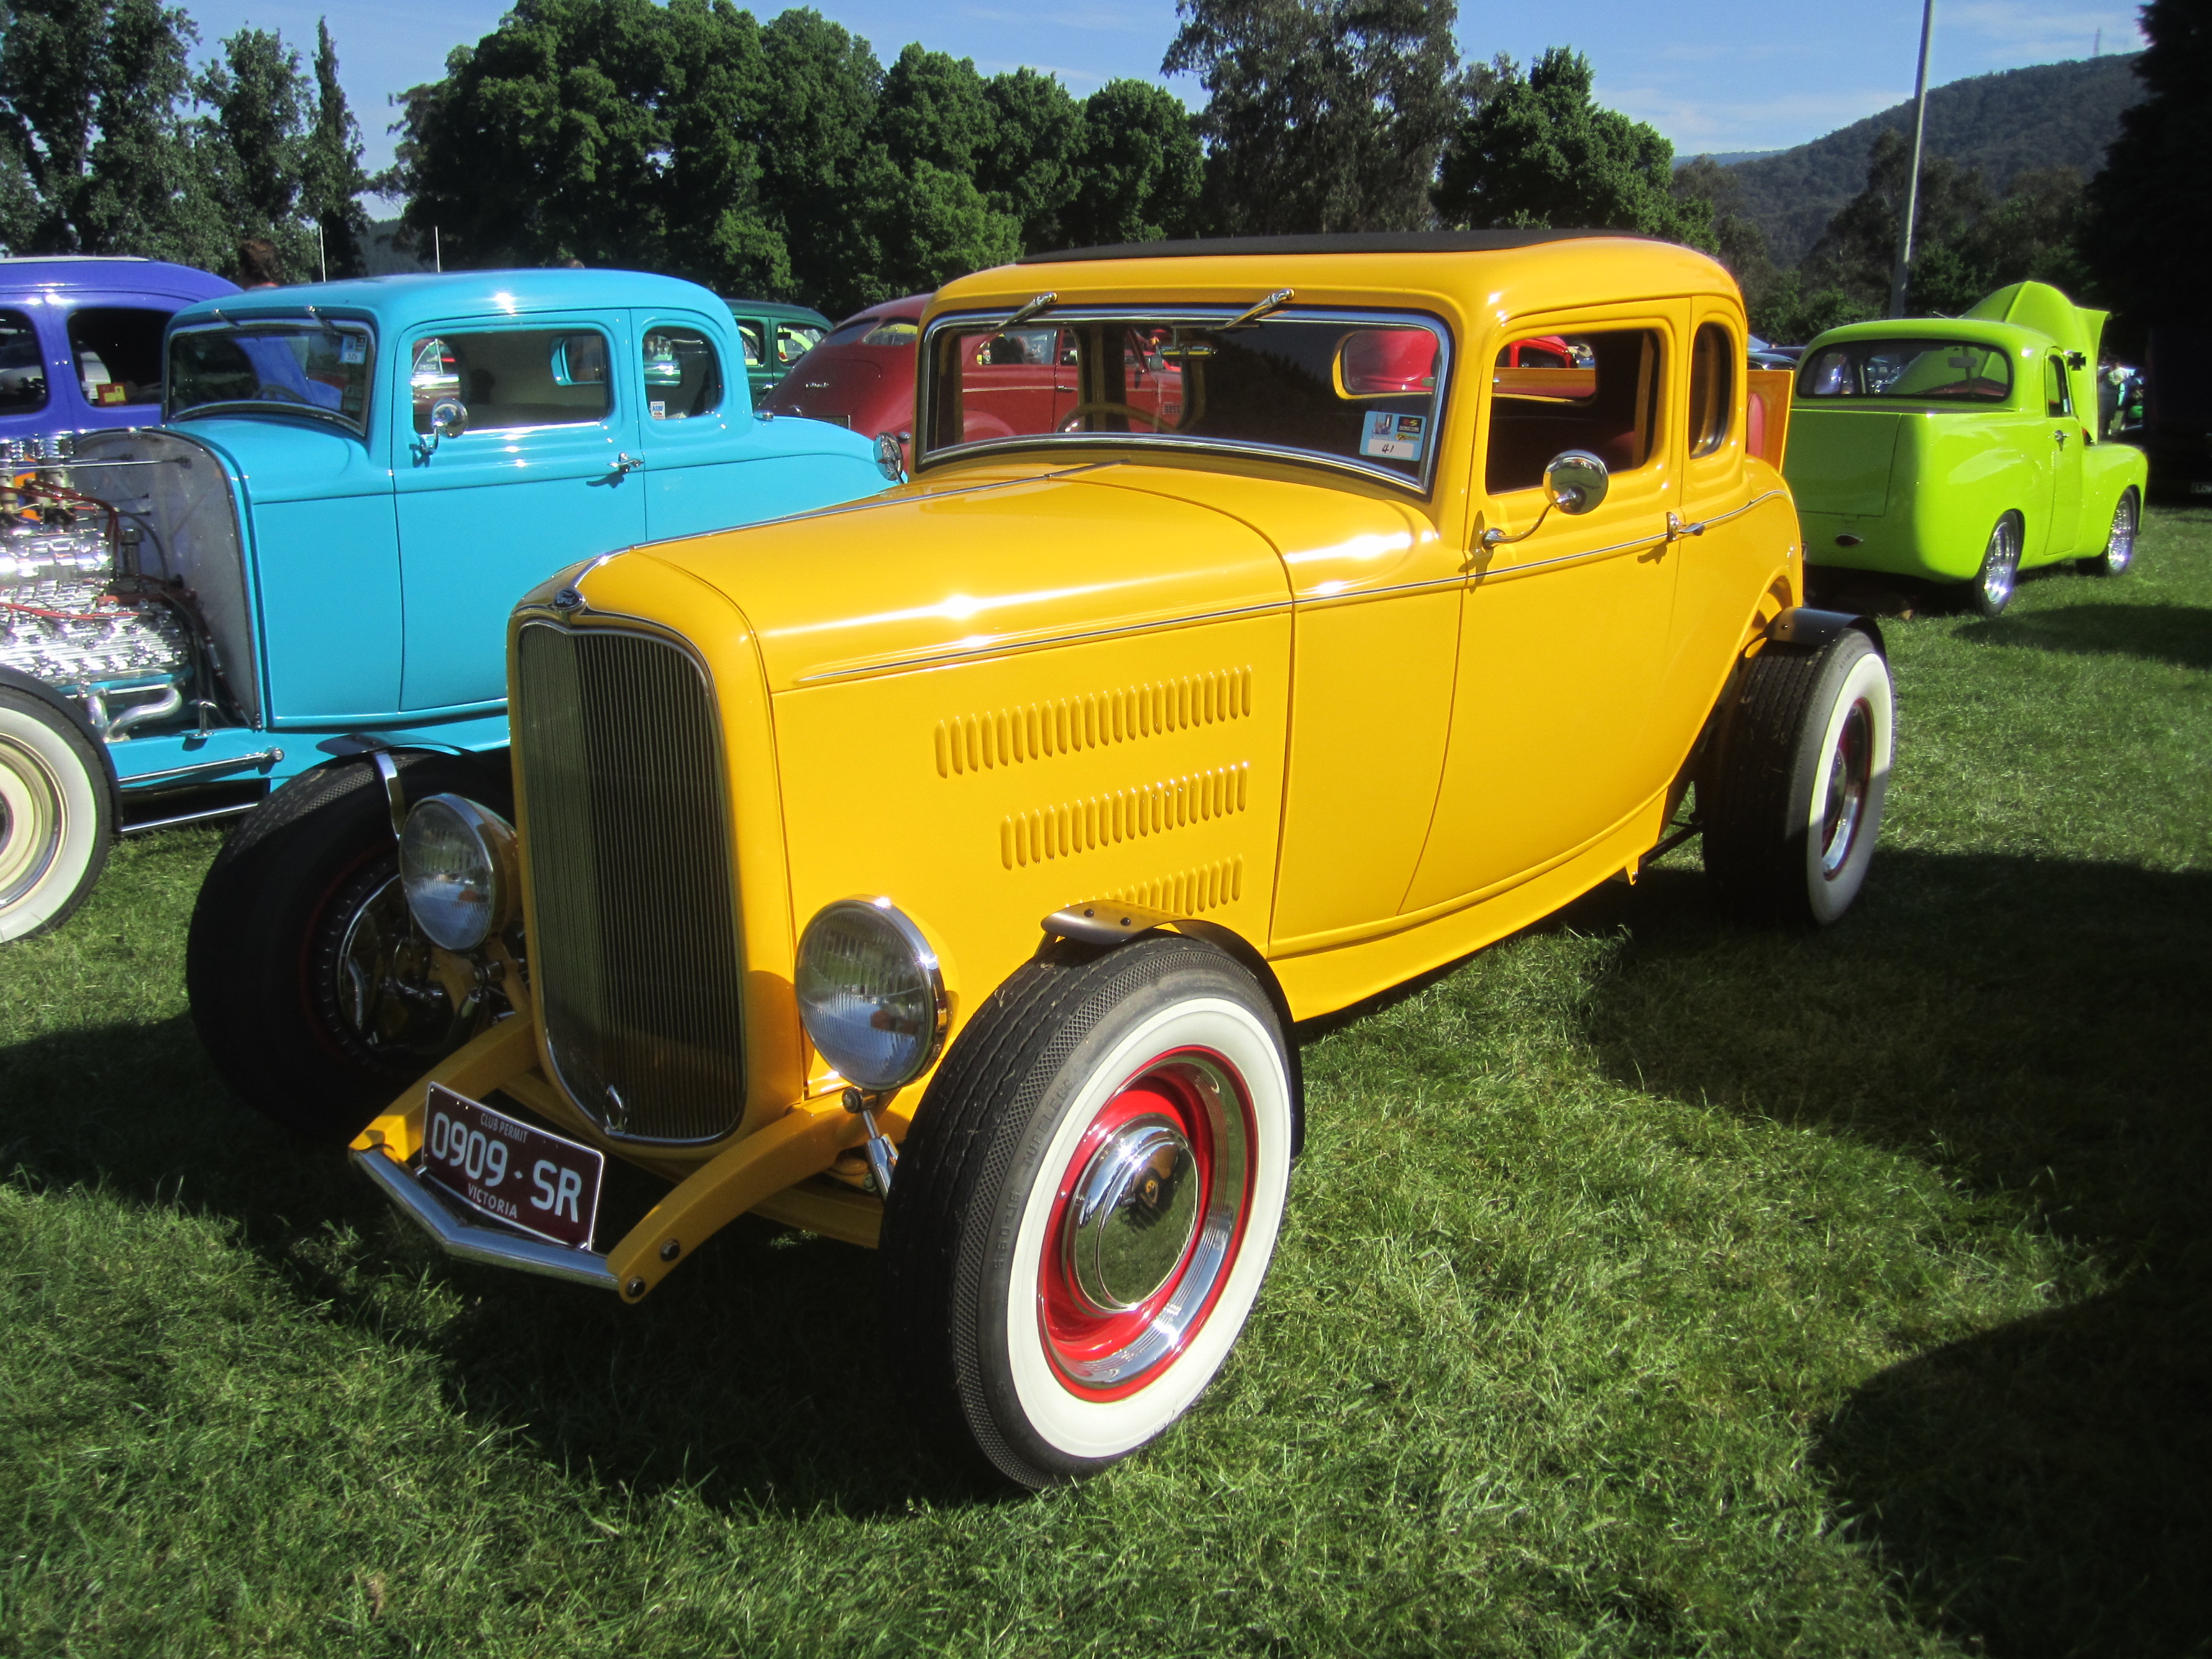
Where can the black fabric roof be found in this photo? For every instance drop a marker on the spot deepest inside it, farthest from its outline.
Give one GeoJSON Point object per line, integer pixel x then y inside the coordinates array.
{"type": "Point", "coordinates": [1365, 241]}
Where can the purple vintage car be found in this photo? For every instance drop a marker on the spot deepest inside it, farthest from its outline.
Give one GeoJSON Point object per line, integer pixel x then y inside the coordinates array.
{"type": "Point", "coordinates": [80, 341]}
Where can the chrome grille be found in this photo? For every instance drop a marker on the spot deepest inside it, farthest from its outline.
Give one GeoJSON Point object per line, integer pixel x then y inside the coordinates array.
{"type": "Point", "coordinates": [635, 947]}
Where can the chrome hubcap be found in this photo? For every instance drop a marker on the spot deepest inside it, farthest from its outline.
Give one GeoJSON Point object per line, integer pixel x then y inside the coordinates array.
{"type": "Point", "coordinates": [1136, 1207]}
{"type": "Point", "coordinates": [2001, 566]}
{"type": "Point", "coordinates": [2120, 545]}
{"type": "Point", "coordinates": [31, 822]}
{"type": "Point", "coordinates": [384, 989]}
{"type": "Point", "coordinates": [1849, 769]}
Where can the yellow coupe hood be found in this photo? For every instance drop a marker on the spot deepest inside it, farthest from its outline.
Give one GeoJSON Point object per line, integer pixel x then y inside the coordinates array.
{"type": "Point", "coordinates": [932, 576]}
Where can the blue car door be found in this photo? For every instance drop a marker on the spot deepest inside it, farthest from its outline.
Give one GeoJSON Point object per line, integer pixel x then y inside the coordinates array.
{"type": "Point", "coordinates": [698, 416]}
{"type": "Point", "coordinates": [534, 471]}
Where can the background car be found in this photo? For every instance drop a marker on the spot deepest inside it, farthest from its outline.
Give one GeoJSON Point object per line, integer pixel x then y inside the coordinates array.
{"type": "Point", "coordinates": [314, 559]}
{"type": "Point", "coordinates": [1963, 449]}
{"type": "Point", "coordinates": [861, 376]}
{"type": "Point", "coordinates": [1018, 816]}
{"type": "Point", "coordinates": [81, 340]}
{"type": "Point", "coordinates": [773, 335]}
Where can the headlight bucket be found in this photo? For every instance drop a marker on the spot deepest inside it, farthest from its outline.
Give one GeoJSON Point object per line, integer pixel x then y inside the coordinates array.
{"type": "Point", "coordinates": [458, 869]}
{"type": "Point", "coordinates": [871, 993]}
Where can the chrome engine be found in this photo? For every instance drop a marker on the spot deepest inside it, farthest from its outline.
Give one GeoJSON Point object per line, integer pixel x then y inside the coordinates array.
{"type": "Point", "coordinates": [75, 613]}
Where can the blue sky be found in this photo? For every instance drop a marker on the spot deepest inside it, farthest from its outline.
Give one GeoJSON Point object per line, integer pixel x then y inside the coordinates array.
{"type": "Point", "coordinates": [1721, 75]}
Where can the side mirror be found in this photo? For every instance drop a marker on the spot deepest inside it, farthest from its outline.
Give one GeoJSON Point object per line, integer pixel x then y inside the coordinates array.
{"type": "Point", "coordinates": [449, 417]}
{"type": "Point", "coordinates": [890, 457]}
{"type": "Point", "coordinates": [1576, 481]}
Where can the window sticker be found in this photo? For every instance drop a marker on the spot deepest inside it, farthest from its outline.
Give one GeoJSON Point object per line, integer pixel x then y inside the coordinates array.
{"type": "Point", "coordinates": [659, 409]}
{"type": "Point", "coordinates": [352, 348]}
{"type": "Point", "coordinates": [1390, 437]}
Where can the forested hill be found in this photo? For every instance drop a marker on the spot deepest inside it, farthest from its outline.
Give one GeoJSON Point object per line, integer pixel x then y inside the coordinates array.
{"type": "Point", "coordinates": [2052, 115]}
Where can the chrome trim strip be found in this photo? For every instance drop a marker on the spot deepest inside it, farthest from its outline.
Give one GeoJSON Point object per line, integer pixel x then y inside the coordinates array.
{"type": "Point", "coordinates": [1703, 525]}
{"type": "Point", "coordinates": [263, 759]}
{"type": "Point", "coordinates": [413, 1197]}
{"type": "Point", "coordinates": [972, 654]}
{"type": "Point", "coordinates": [234, 810]}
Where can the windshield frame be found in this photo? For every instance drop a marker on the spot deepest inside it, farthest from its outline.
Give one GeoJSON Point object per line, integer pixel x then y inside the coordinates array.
{"type": "Point", "coordinates": [311, 320]}
{"type": "Point", "coordinates": [1176, 314]}
{"type": "Point", "coordinates": [1872, 341]}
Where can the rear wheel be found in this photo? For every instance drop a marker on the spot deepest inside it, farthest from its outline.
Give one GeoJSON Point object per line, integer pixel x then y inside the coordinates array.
{"type": "Point", "coordinates": [311, 986]}
{"type": "Point", "coordinates": [1087, 1204]}
{"type": "Point", "coordinates": [1995, 582]}
{"type": "Point", "coordinates": [56, 817]}
{"type": "Point", "coordinates": [2119, 541]}
{"type": "Point", "coordinates": [1797, 792]}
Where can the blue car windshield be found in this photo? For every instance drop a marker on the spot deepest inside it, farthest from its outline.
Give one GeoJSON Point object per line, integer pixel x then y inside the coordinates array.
{"type": "Point", "coordinates": [319, 368]}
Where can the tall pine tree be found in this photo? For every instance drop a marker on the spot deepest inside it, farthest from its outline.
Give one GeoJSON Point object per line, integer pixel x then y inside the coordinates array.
{"type": "Point", "coordinates": [2149, 230]}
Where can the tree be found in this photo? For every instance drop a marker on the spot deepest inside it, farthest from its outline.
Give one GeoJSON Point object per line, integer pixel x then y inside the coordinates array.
{"type": "Point", "coordinates": [1857, 252]}
{"type": "Point", "coordinates": [1322, 115]}
{"type": "Point", "coordinates": [254, 146]}
{"type": "Point", "coordinates": [2149, 230]}
{"type": "Point", "coordinates": [1029, 172]}
{"type": "Point", "coordinates": [1539, 151]}
{"type": "Point", "coordinates": [332, 182]}
{"type": "Point", "coordinates": [1737, 240]}
{"type": "Point", "coordinates": [1139, 172]}
{"type": "Point", "coordinates": [92, 103]}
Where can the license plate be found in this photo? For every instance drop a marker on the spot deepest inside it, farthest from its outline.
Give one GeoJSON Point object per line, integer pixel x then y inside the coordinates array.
{"type": "Point", "coordinates": [511, 1170]}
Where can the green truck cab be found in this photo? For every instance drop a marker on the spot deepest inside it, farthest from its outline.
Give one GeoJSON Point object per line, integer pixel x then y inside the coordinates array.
{"type": "Point", "coordinates": [1964, 449]}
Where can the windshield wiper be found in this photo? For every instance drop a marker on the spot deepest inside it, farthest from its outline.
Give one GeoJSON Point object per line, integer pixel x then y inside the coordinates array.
{"type": "Point", "coordinates": [1028, 309]}
{"type": "Point", "coordinates": [1275, 302]}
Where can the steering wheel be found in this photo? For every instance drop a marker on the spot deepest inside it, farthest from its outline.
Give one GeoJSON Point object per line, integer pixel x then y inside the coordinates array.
{"type": "Point", "coordinates": [277, 394]}
{"type": "Point", "coordinates": [1151, 416]}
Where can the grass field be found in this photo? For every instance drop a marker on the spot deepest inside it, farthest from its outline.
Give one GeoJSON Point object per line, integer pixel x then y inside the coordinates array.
{"type": "Point", "coordinates": [1650, 1287]}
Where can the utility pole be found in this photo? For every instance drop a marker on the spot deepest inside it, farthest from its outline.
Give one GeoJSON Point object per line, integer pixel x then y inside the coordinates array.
{"type": "Point", "coordinates": [1896, 279]}
{"type": "Point", "coordinates": [438, 246]}
{"type": "Point", "coordinates": [322, 252]}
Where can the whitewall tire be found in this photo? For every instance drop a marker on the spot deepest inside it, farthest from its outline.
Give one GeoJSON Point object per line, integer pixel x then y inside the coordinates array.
{"type": "Point", "coordinates": [57, 818]}
{"type": "Point", "coordinates": [1084, 1211]}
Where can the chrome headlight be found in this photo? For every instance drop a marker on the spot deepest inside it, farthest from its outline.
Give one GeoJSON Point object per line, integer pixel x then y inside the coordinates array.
{"type": "Point", "coordinates": [869, 992]}
{"type": "Point", "coordinates": [457, 867]}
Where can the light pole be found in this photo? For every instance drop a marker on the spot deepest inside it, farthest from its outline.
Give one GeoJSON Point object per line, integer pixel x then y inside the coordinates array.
{"type": "Point", "coordinates": [1897, 277]}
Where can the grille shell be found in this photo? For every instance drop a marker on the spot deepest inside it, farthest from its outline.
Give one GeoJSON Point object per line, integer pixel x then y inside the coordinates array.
{"type": "Point", "coordinates": [634, 940]}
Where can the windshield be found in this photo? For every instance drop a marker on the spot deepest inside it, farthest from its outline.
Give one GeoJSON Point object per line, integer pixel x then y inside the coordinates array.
{"type": "Point", "coordinates": [1922, 371]}
{"type": "Point", "coordinates": [1356, 390]}
{"type": "Point", "coordinates": [294, 369]}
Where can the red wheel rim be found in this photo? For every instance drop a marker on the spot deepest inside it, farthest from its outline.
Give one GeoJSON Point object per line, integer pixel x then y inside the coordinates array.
{"type": "Point", "coordinates": [1160, 1187]}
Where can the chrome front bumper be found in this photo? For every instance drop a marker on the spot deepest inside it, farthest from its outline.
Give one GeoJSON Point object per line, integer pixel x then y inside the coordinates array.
{"type": "Point", "coordinates": [472, 1241]}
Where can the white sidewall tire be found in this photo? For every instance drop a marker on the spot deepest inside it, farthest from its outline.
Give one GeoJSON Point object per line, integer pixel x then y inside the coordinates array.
{"type": "Point", "coordinates": [52, 794]}
{"type": "Point", "coordinates": [1867, 678]}
{"type": "Point", "coordinates": [1098, 1429]}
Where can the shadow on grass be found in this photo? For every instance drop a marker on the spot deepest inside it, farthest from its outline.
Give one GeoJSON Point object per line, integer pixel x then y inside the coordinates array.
{"type": "Point", "coordinates": [2178, 634]}
{"type": "Point", "coordinates": [754, 1376]}
{"type": "Point", "coordinates": [2038, 1031]}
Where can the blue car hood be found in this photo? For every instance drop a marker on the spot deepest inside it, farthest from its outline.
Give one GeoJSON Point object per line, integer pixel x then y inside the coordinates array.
{"type": "Point", "coordinates": [280, 459]}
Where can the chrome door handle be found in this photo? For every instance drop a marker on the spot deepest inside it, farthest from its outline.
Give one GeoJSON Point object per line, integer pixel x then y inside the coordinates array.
{"type": "Point", "coordinates": [2058, 435]}
{"type": "Point", "coordinates": [626, 462]}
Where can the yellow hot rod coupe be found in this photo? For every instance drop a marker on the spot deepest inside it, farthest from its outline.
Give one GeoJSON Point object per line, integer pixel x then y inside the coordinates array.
{"type": "Point", "coordinates": [947, 872]}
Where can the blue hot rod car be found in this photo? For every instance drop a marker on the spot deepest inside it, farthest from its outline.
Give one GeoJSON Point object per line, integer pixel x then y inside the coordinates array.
{"type": "Point", "coordinates": [302, 578]}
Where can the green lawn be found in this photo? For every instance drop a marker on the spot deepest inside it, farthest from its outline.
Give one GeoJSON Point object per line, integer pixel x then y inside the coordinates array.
{"type": "Point", "coordinates": [1650, 1287]}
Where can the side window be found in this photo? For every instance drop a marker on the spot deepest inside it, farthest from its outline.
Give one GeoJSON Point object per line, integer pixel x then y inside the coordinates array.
{"type": "Point", "coordinates": [683, 374]}
{"type": "Point", "coordinates": [793, 341]}
{"type": "Point", "coordinates": [748, 342]}
{"type": "Point", "coordinates": [1597, 391]}
{"type": "Point", "coordinates": [514, 378]}
{"type": "Point", "coordinates": [22, 369]}
{"type": "Point", "coordinates": [118, 350]}
{"type": "Point", "coordinates": [2057, 400]}
{"type": "Point", "coordinates": [1712, 387]}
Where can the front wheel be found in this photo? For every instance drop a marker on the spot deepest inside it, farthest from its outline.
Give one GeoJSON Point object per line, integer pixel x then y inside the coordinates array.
{"type": "Point", "coordinates": [1087, 1204]}
{"type": "Point", "coordinates": [2119, 541]}
{"type": "Point", "coordinates": [313, 990]}
{"type": "Point", "coordinates": [1995, 582]}
{"type": "Point", "coordinates": [57, 818]}
{"type": "Point", "coordinates": [1797, 796]}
